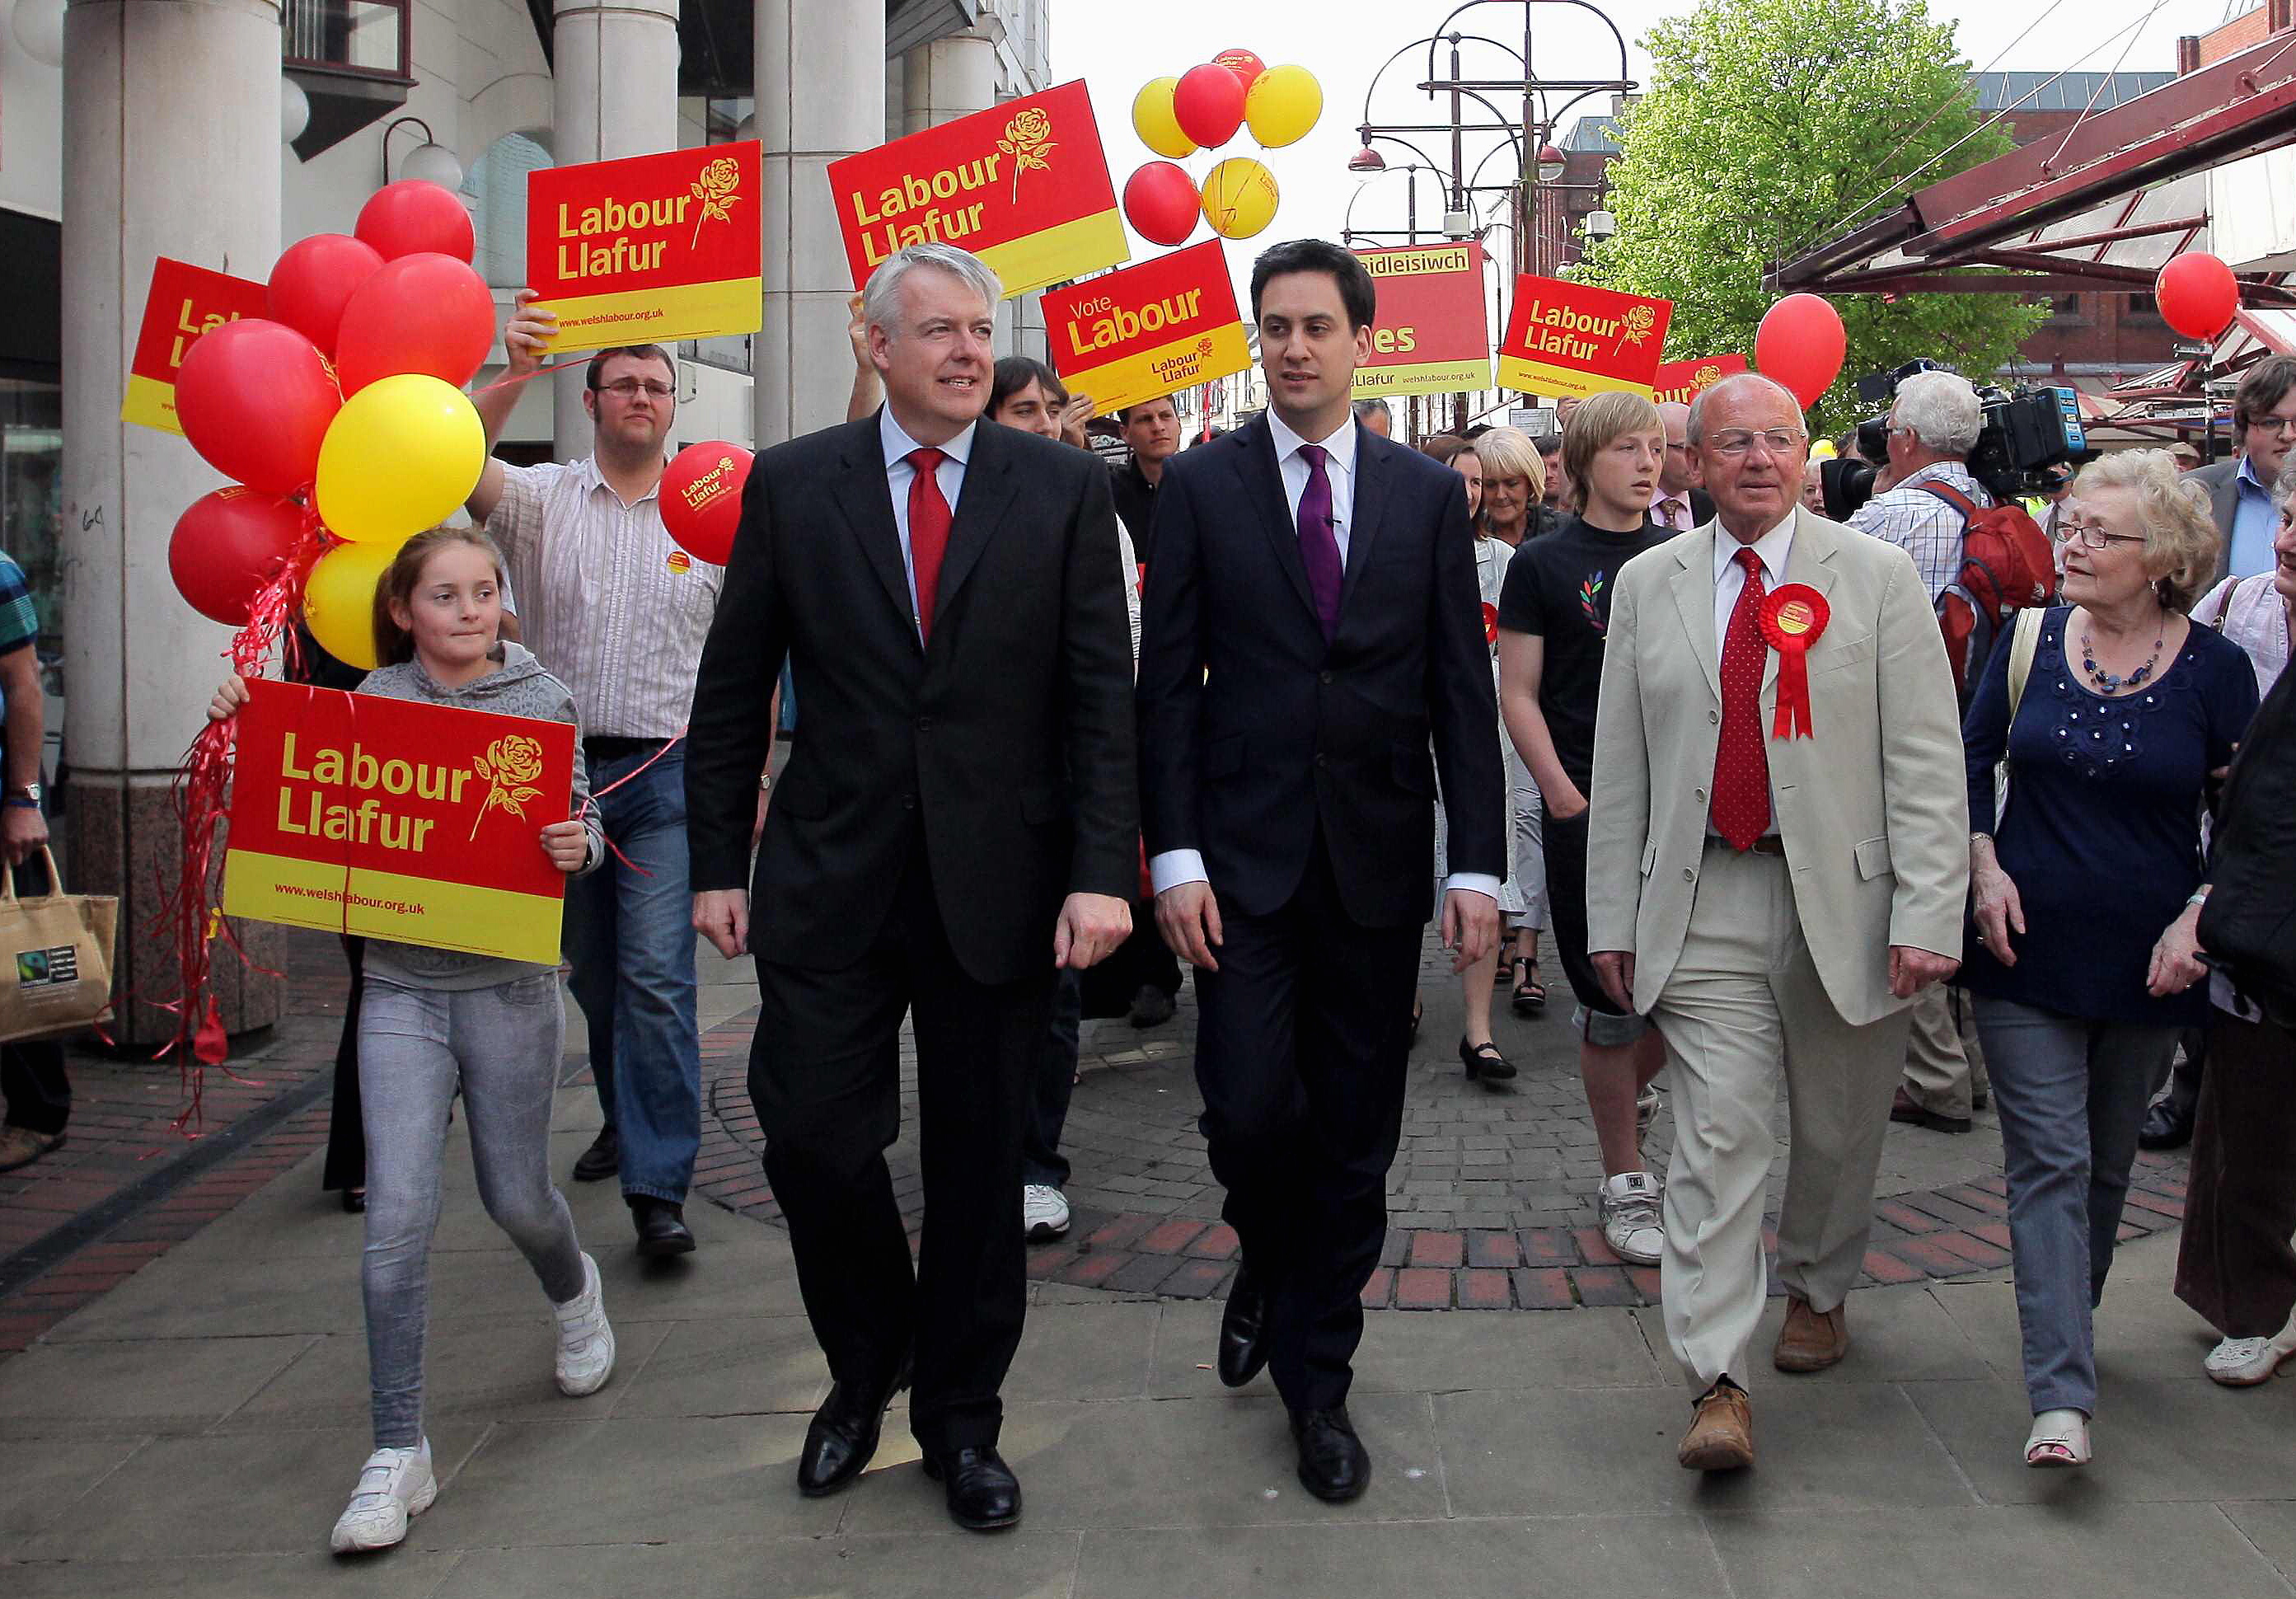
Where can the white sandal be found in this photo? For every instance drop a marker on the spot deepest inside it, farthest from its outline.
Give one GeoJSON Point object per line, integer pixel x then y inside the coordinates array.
{"type": "Point", "coordinates": [2245, 1362]}
{"type": "Point", "coordinates": [2059, 1438]}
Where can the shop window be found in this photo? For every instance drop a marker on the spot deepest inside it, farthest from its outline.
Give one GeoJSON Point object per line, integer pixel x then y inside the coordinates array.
{"type": "Point", "coordinates": [496, 188]}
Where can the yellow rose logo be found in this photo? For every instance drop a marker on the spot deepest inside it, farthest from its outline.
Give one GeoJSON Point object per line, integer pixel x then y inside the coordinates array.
{"type": "Point", "coordinates": [512, 762]}
{"type": "Point", "coordinates": [1635, 324]}
{"type": "Point", "coordinates": [1028, 140]}
{"type": "Point", "coordinates": [1705, 377]}
{"type": "Point", "coordinates": [716, 189]}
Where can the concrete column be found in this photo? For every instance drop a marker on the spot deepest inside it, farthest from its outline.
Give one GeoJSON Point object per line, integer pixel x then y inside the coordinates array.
{"type": "Point", "coordinates": [170, 146]}
{"type": "Point", "coordinates": [614, 92]}
{"type": "Point", "coordinates": [821, 95]}
{"type": "Point", "coordinates": [948, 78]}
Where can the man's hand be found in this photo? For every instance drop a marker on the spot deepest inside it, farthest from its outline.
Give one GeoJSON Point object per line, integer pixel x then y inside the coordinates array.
{"type": "Point", "coordinates": [23, 829]}
{"type": "Point", "coordinates": [1616, 968]}
{"type": "Point", "coordinates": [722, 916]}
{"type": "Point", "coordinates": [1090, 928]}
{"type": "Point", "coordinates": [1078, 411]}
{"type": "Point", "coordinates": [1188, 919]}
{"type": "Point", "coordinates": [857, 334]}
{"type": "Point", "coordinates": [526, 337]}
{"type": "Point", "coordinates": [2175, 967]}
{"type": "Point", "coordinates": [1471, 926]}
{"type": "Point", "coordinates": [1913, 970]}
{"type": "Point", "coordinates": [228, 698]}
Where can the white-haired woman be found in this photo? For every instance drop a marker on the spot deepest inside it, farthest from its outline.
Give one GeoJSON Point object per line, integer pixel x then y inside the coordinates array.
{"type": "Point", "coordinates": [2111, 712]}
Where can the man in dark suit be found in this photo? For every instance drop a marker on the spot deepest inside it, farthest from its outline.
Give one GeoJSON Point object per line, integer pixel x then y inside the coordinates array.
{"type": "Point", "coordinates": [1311, 619]}
{"type": "Point", "coordinates": [956, 823]}
{"type": "Point", "coordinates": [1679, 503]}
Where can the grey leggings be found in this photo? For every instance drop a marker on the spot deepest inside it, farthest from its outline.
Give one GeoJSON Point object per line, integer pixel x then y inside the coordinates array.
{"type": "Point", "coordinates": [501, 1044]}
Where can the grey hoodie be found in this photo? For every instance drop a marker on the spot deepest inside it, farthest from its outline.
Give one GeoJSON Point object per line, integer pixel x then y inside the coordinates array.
{"type": "Point", "coordinates": [520, 688]}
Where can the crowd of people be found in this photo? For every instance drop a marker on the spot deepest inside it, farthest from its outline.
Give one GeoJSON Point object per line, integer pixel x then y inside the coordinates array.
{"type": "Point", "coordinates": [1265, 705]}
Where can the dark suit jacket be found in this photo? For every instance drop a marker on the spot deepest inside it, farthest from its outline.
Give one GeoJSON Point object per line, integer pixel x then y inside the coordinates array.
{"type": "Point", "coordinates": [1253, 731]}
{"type": "Point", "coordinates": [1009, 740]}
{"type": "Point", "coordinates": [2222, 480]}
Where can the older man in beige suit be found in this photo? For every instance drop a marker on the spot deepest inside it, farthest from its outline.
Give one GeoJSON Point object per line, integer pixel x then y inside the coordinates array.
{"type": "Point", "coordinates": [1772, 902]}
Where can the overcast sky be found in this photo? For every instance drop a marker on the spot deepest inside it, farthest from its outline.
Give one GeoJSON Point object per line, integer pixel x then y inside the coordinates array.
{"type": "Point", "coordinates": [1118, 47]}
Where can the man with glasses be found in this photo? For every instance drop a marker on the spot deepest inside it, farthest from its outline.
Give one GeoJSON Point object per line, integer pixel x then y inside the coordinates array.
{"type": "Point", "coordinates": [614, 607]}
{"type": "Point", "coordinates": [1934, 423]}
{"type": "Point", "coordinates": [1678, 504]}
{"type": "Point", "coordinates": [1772, 903]}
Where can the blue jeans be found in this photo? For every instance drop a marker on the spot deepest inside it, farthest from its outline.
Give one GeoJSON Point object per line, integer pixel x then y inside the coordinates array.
{"type": "Point", "coordinates": [2072, 1095]}
{"type": "Point", "coordinates": [630, 937]}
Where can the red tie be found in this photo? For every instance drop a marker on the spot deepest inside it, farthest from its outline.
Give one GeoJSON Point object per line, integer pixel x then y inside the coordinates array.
{"type": "Point", "coordinates": [1742, 766]}
{"type": "Point", "coordinates": [928, 521]}
{"type": "Point", "coordinates": [1668, 510]}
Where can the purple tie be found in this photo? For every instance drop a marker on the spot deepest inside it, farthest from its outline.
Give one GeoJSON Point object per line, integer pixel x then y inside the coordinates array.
{"type": "Point", "coordinates": [1319, 543]}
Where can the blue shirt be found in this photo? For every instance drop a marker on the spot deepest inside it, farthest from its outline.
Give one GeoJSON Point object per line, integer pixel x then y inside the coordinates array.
{"type": "Point", "coordinates": [2252, 523]}
{"type": "Point", "coordinates": [2102, 832]}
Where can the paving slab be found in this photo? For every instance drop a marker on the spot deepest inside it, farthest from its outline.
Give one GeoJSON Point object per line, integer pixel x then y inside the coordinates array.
{"type": "Point", "coordinates": [1582, 1557]}
{"type": "Point", "coordinates": [1611, 1451]}
{"type": "Point", "coordinates": [1986, 1553]}
{"type": "Point", "coordinates": [1091, 1352]}
{"type": "Point", "coordinates": [403, 1574]}
{"type": "Point", "coordinates": [2142, 1329]}
{"type": "Point", "coordinates": [127, 1389]}
{"type": "Point", "coordinates": [39, 1482]}
{"type": "Point", "coordinates": [725, 1365]}
{"type": "Point", "coordinates": [2270, 1525]}
{"type": "Point", "coordinates": [1022, 1564]}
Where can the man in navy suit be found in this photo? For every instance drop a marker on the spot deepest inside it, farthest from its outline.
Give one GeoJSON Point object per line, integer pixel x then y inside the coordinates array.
{"type": "Point", "coordinates": [1311, 622]}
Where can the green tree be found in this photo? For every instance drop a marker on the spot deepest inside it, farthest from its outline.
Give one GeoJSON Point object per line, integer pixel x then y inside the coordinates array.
{"type": "Point", "coordinates": [1769, 126]}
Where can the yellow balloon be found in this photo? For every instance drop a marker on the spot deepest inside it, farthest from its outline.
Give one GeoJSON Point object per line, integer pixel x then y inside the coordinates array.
{"type": "Point", "coordinates": [1238, 198]}
{"type": "Point", "coordinates": [1282, 106]}
{"type": "Point", "coordinates": [399, 456]}
{"type": "Point", "coordinates": [1823, 450]}
{"type": "Point", "coordinates": [1153, 121]}
{"type": "Point", "coordinates": [339, 601]}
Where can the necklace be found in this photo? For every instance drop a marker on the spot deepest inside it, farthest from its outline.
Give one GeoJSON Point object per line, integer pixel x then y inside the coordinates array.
{"type": "Point", "coordinates": [2107, 681]}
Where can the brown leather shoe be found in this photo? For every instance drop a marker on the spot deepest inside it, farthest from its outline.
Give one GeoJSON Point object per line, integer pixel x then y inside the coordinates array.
{"type": "Point", "coordinates": [1809, 1341]}
{"type": "Point", "coordinates": [1721, 1438]}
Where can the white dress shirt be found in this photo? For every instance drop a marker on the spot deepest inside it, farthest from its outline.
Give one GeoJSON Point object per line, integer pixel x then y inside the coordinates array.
{"type": "Point", "coordinates": [1174, 867]}
{"type": "Point", "coordinates": [1772, 548]}
{"type": "Point", "coordinates": [900, 474]}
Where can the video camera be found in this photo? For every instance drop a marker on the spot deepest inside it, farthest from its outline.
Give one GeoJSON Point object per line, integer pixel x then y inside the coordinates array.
{"type": "Point", "coordinates": [2026, 432]}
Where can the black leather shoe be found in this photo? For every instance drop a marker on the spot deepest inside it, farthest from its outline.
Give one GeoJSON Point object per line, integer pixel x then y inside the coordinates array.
{"type": "Point", "coordinates": [983, 1494]}
{"type": "Point", "coordinates": [662, 1227]}
{"type": "Point", "coordinates": [603, 1158]}
{"type": "Point", "coordinates": [1243, 1331]}
{"type": "Point", "coordinates": [844, 1435]}
{"type": "Point", "coordinates": [1484, 1060]}
{"type": "Point", "coordinates": [1334, 1465]}
{"type": "Point", "coordinates": [2169, 1124]}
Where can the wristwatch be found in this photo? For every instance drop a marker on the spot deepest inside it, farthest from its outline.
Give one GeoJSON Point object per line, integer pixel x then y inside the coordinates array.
{"type": "Point", "coordinates": [26, 794]}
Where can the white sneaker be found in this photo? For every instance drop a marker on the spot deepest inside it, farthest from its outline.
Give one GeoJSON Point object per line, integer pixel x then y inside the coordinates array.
{"type": "Point", "coordinates": [2245, 1362]}
{"type": "Point", "coordinates": [1646, 1112]}
{"type": "Point", "coordinates": [586, 1343]}
{"type": "Point", "coordinates": [394, 1486]}
{"type": "Point", "coordinates": [1044, 1211]}
{"type": "Point", "coordinates": [1628, 1205]}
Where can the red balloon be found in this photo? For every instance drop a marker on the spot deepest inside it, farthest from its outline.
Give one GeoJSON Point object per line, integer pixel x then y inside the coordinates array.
{"type": "Point", "coordinates": [227, 545]}
{"type": "Point", "coordinates": [1162, 203]}
{"type": "Point", "coordinates": [1801, 344]}
{"type": "Point", "coordinates": [1209, 104]}
{"type": "Point", "coordinates": [1243, 63]}
{"type": "Point", "coordinates": [422, 313]}
{"type": "Point", "coordinates": [255, 398]}
{"type": "Point", "coordinates": [314, 280]}
{"type": "Point", "coordinates": [701, 498]}
{"type": "Point", "coordinates": [2197, 294]}
{"type": "Point", "coordinates": [415, 216]}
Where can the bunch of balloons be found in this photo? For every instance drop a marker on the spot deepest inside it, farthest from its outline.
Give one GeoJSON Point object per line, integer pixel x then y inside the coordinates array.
{"type": "Point", "coordinates": [342, 410]}
{"type": "Point", "coordinates": [1202, 110]}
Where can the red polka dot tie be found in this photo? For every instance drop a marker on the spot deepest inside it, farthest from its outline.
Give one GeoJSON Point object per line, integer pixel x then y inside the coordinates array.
{"type": "Point", "coordinates": [1742, 766]}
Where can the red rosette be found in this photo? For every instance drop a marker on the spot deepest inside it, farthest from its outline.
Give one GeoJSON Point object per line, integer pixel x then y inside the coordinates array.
{"type": "Point", "coordinates": [1793, 618]}
{"type": "Point", "coordinates": [1490, 623]}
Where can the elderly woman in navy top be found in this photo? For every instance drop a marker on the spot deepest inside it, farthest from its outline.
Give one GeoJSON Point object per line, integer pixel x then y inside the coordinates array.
{"type": "Point", "coordinates": [2087, 890]}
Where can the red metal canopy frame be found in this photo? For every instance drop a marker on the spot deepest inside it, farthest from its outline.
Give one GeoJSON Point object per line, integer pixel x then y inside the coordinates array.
{"type": "Point", "coordinates": [1972, 233]}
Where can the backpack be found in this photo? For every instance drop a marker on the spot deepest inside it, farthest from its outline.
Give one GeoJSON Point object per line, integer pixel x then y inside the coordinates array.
{"type": "Point", "coordinates": [2007, 566]}
{"type": "Point", "coordinates": [2248, 922]}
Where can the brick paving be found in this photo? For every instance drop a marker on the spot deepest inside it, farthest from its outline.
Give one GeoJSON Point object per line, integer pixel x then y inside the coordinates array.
{"type": "Point", "coordinates": [1491, 1199]}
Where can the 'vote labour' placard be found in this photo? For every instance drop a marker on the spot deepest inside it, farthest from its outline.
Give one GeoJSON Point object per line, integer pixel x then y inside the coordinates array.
{"type": "Point", "coordinates": [1430, 336]}
{"type": "Point", "coordinates": [1024, 186]}
{"type": "Point", "coordinates": [1153, 329]}
{"type": "Point", "coordinates": [650, 248]}
{"type": "Point", "coordinates": [1565, 339]}
{"type": "Point", "coordinates": [396, 819]}
{"type": "Point", "coordinates": [184, 302]}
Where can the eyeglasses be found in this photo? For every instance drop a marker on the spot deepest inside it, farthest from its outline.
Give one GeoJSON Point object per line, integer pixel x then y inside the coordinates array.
{"type": "Point", "coordinates": [630, 388]}
{"type": "Point", "coordinates": [2090, 537]}
{"type": "Point", "coordinates": [2283, 425]}
{"type": "Point", "coordinates": [1737, 441]}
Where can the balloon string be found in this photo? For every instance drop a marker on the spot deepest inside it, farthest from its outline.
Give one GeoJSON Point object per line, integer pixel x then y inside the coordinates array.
{"type": "Point", "coordinates": [504, 382]}
{"type": "Point", "coordinates": [596, 794]}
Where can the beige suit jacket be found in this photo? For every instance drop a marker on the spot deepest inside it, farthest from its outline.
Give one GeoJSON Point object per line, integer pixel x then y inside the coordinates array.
{"type": "Point", "coordinates": [1873, 809]}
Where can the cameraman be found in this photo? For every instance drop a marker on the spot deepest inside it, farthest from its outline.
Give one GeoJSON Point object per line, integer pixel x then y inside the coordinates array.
{"type": "Point", "coordinates": [1934, 423]}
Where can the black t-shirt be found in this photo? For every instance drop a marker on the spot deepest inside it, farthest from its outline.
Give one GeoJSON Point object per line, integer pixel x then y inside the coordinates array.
{"type": "Point", "coordinates": [1559, 587]}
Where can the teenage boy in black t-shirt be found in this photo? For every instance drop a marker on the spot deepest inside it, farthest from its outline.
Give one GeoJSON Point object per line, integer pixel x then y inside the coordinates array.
{"type": "Point", "coordinates": [1554, 612]}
